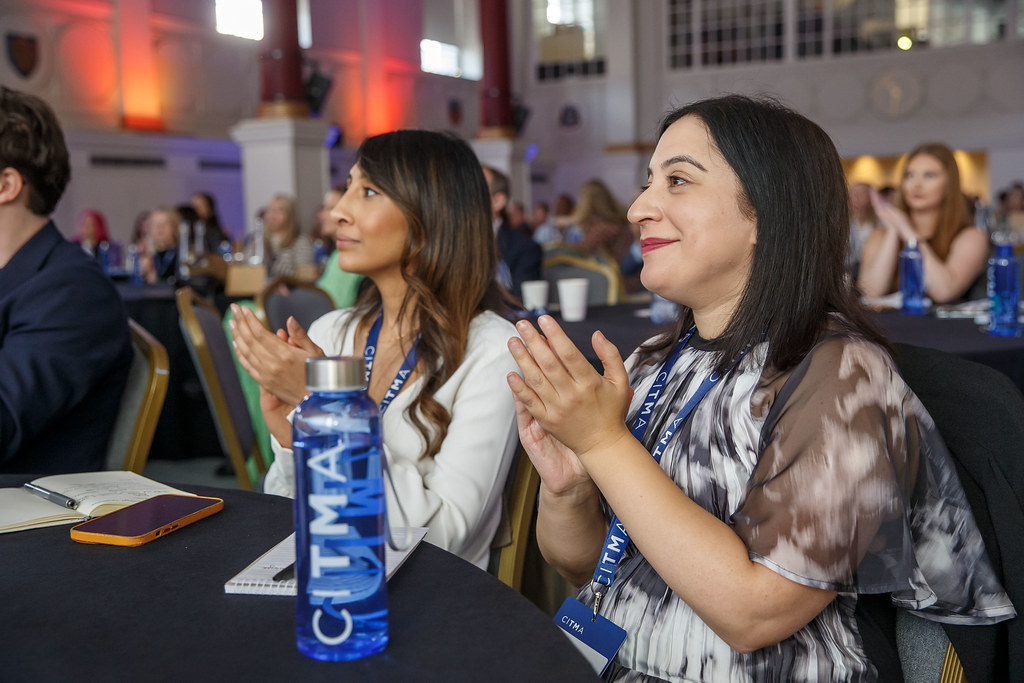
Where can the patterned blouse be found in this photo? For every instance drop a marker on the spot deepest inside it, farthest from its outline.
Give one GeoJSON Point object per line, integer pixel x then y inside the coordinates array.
{"type": "Point", "coordinates": [834, 476]}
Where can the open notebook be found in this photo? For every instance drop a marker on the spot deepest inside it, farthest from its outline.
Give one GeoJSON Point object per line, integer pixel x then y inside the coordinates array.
{"type": "Point", "coordinates": [269, 574]}
{"type": "Point", "coordinates": [96, 493]}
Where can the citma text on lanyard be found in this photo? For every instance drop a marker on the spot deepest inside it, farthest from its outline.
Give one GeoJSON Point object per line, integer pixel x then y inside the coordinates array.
{"type": "Point", "coordinates": [403, 372]}
{"type": "Point", "coordinates": [617, 539]}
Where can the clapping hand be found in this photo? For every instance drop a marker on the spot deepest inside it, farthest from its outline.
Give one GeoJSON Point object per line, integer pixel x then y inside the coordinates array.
{"type": "Point", "coordinates": [276, 361]}
{"type": "Point", "coordinates": [892, 218]}
{"type": "Point", "coordinates": [564, 407]}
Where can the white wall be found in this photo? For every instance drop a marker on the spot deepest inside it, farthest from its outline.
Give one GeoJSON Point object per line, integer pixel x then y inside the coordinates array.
{"type": "Point", "coordinates": [970, 97]}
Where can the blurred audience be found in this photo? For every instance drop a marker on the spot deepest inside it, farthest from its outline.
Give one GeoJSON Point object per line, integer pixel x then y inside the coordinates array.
{"type": "Point", "coordinates": [160, 260]}
{"type": "Point", "coordinates": [206, 211]}
{"type": "Point", "coordinates": [94, 238]}
{"type": "Point", "coordinates": [286, 247]}
{"type": "Point", "coordinates": [931, 211]}
{"type": "Point", "coordinates": [602, 219]}
{"type": "Point", "coordinates": [862, 221]}
{"type": "Point", "coordinates": [520, 257]}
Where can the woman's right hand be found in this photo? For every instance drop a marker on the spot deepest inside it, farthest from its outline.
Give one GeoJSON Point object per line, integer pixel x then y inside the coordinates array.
{"type": "Point", "coordinates": [276, 361]}
{"type": "Point", "coordinates": [560, 470]}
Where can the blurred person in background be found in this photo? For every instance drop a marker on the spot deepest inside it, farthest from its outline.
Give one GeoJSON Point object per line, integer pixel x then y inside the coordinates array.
{"type": "Point", "coordinates": [862, 222]}
{"type": "Point", "coordinates": [286, 247]}
{"type": "Point", "coordinates": [931, 211]}
{"type": "Point", "coordinates": [159, 263]}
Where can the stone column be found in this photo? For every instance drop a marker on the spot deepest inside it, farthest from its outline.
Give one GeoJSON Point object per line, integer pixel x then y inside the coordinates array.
{"type": "Point", "coordinates": [281, 89]}
{"type": "Point", "coordinates": [282, 155]}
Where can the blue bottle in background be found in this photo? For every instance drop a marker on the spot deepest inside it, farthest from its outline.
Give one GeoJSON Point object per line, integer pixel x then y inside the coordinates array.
{"type": "Point", "coordinates": [662, 310]}
{"type": "Point", "coordinates": [341, 609]}
{"type": "Point", "coordinates": [1003, 289]}
{"type": "Point", "coordinates": [104, 252]}
{"type": "Point", "coordinates": [911, 279]}
{"type": "Point", "coordinates": [133, 265]}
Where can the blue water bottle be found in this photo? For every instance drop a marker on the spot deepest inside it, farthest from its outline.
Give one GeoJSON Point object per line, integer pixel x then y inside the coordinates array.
{"type": "Point", "coordinates": [341, 609]}
{"type": "Point", "coordinates": [1003, 290]}
{"type": "Point", "coordinates": [911, 279]}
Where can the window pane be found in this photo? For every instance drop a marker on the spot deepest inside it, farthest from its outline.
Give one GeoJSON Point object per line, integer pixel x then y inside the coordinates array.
{"type": "Point", "coordinates": [242, 18]}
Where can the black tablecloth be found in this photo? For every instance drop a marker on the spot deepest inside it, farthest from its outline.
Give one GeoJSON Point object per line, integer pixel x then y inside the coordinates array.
{"type": "Point", "coordinates": [158, 612]}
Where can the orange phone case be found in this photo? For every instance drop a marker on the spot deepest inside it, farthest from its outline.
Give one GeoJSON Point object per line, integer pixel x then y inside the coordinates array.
{"type": "Point", "coordinates": [165, 527]}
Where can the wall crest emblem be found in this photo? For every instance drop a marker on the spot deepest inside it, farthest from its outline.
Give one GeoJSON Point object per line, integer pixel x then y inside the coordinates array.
{"type": "Point", "coordinates": [22, 52]}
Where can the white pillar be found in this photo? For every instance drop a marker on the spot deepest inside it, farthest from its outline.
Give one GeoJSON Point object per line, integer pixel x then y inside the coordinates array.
{"type": "Point", "coordinates": [282, 155]}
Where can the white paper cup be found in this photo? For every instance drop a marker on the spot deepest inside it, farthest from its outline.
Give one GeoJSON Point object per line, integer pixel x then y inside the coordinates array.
{"type": "Point", "coordinates": [572, 297]}
{"type": "Point", "coordinates": [535, 295]}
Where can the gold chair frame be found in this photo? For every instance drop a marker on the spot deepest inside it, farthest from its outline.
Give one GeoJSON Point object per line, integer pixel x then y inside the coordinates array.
{"type": "Point", "coordinates": [522, 505]}
{"type": "Point", "coordinates": [151, 403]}
{"type": "Point", "coordinates": [186, 300]}
{"type": "Point", "coordinates": [611, 272]}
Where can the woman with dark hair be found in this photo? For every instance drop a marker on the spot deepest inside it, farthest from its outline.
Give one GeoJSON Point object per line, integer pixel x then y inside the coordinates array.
{"type": "Point", "coordinates": [415, 219]}
{"type": "Point", "coordinates": [792, 469]}
{"type": "Point", "coordinates": [206, 209]}
{"type": "Point", "coordinates": [931, 210]}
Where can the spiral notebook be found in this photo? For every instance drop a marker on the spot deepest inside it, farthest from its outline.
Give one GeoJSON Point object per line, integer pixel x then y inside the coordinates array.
{"type": "Point", "coordinates": [271, 573]}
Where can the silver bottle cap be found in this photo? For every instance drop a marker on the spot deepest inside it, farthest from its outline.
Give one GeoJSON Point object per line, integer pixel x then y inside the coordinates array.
{"type": "Point", "coordinates": [339, 373]}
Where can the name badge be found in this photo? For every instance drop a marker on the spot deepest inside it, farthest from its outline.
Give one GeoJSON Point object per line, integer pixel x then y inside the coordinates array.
{"type": "Point", "coordinates": [597, 639]}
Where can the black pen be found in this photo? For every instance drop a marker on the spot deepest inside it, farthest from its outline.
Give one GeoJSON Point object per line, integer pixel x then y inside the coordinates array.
{"type": "Point", "coordinates": [52, 496]}
{"type": "Point", "coordinates": [286, 574]}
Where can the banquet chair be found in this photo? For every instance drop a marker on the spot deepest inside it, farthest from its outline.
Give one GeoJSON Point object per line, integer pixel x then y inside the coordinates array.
{"type": "Point", "coordinates": [143, 398]}
{"type": "Point", "coordinates": [286, 296]}
{"type": "Point", "coordinates": [980, 414]}
{"type": "Point", "coordinates": [512, 538]}
{"type": "Point", "coordinates": [243, 279]}
{"type": "Point", "coordinates": [606, 286]}
{"type": "Point", "coordinates": [208, 345]}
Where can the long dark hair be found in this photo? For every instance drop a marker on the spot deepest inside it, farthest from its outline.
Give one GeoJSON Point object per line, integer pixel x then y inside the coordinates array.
{"type": "Point", "coordinates": [793, 186]}
{"type": "Point", "coordinates": [449, 261]}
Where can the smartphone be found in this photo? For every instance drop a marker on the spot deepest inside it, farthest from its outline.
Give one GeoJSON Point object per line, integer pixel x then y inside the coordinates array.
{"type": "Point", "coordinates": [146, 520]}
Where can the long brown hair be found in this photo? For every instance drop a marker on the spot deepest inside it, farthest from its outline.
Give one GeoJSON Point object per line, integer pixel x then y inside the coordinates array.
{"type": "Point", "coordinates": [953, 214]}
{"type": "Point", "coordinates": [449, 261]}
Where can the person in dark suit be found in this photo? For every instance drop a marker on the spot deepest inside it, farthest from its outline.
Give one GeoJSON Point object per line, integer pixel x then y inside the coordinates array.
{"type": "Point", "coordinates": [520, 256]}
{"type": "Point", "coordinates": [65, 349]}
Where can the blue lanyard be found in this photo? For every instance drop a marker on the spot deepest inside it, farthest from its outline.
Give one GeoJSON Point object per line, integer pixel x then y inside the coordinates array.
{"type": "Point", "coordinates": [403, 372]}
{"type": "Point", "coordinates": [617, 538]}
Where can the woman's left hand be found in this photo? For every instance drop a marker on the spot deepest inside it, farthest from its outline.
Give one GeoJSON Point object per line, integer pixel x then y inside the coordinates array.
{"type": "Point", "coordinates": [563, 392]}
{"type": "Point", "coordinates": [277, 365]}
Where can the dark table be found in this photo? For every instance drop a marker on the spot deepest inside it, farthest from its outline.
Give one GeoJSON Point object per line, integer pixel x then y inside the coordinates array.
{"type": "Point", "coordinates": [960, 337]}
{"type": "Point", "coordinates": [158, 612]}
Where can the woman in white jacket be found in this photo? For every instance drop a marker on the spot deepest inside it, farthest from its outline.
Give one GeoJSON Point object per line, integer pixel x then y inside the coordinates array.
{"type": "Point", "coordinates": [415, 220]}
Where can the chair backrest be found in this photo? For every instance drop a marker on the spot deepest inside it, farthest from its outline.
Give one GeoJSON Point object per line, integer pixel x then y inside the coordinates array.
{"type": "Point", "coordinates": [201, 326]}
{"type": "Point", "coordinates": [980, 414]}
{"type": "Point", "coordinates": [141, 403]}
{"type": "Point", "coordinates": [286, 296]}
{"type": "Point", "coordinates": [605, 279]}
{"type": "Point", "coordinates": [520, 501]}
{"type": "Point", "coordinates": [243, 279]}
